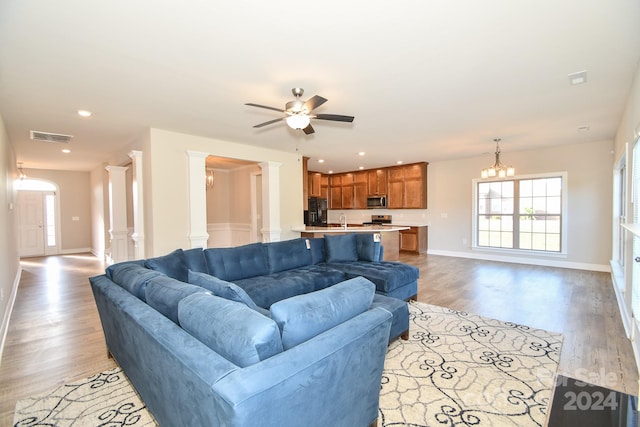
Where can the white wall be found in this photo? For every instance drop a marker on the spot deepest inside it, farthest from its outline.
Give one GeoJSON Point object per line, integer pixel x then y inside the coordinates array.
{"type": "Point", "coordinates": [166, 185]}
{"type": "Point", "coordinates": [589, 167]}
{"type": "Point", "coordinates": [9, 260]}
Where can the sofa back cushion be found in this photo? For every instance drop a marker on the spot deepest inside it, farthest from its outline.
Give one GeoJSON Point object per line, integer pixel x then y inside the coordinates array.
{"type": "Point", "coordinates": [288, 254]}
{"type": "Point", "coordinates": [231, 329]}
{"type": "Point", "coordinates": [302, 317]}
{"type": "Point", "coordinates": [237, 263]}
{"type": "Point", "coordinates": [173, 265]}
{"type": "Point", "coordinates": [164, 293]}
{"type": "Point", "coordinates": [133, 277]}
{"type": "Point", "coordinates": [340, 248]}
{"type": "Point", "coordinates": [222, 288]}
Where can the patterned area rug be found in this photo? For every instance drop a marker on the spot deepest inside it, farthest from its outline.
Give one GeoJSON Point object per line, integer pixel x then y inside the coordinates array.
{"type": "Point", "coordinates": [455, 369]}
{"type": "Point", "coordinates": [462, 369]}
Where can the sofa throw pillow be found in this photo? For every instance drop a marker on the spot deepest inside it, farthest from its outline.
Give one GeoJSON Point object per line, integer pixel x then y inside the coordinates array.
{"type": "Point", "coordinates": [133, 277]}
{"type": "Point", "coordinates": [302, 317]}
{"type": "Point", "coordinates": [164, 293]}
{"type": "Point", "coordinates": [173, 265]}
{"type": "Point", "coordinates": [195, 260]}
{"type": "Point", "coordinates": [222, 288]}
{"type": "Point", "coordinates": [340, 248]}
{"type": "Point", "coordinates": [232, 329]}
{"type": "Point", "coordinates": [367, 247]}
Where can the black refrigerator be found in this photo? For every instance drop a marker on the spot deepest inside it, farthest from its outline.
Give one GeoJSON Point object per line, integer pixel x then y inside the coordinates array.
{"type": "Point", "coordinates": [317, 213]}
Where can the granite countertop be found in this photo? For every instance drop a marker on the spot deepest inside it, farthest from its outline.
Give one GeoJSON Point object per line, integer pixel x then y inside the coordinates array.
{"type": "Point", "coordinates": [350, 228]}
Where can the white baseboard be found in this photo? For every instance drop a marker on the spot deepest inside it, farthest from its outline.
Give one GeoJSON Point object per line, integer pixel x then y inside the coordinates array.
{"type": "Point", "coordinates": [519, 260]}
{"type": "Point", "coordinates": [75, 251]}
{"type": "Point", "coordinates": [229, 234]}
{"type": "Point", "coordinates": [8, 311]}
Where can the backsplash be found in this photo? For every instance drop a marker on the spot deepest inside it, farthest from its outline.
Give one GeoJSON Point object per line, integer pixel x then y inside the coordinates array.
{"type": "Point", "coordinates": [409, 217]}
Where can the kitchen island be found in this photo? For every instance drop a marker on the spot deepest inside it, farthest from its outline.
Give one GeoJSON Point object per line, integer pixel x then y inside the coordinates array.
{"type": "Point", "coordinates": [389, 235]}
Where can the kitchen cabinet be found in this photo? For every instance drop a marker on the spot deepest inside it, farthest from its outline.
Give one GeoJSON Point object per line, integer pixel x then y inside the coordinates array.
{"type": "Point", "coordinates": [324, 187]}
{"type": "Point", "coordinates": [407, 187]}
{"type": "Point", "coordinates": [335, 191]}
{"type": "Point", "coordinates": [360, 190]}
{"type": "Point", "coordinates": [314, 183]}
{"type": "Point", "coordinates": [347, 191]}
{"type": "Point", "coordinates": [377, 182]}
{"type": "Point", "coordinates": [414, 240]}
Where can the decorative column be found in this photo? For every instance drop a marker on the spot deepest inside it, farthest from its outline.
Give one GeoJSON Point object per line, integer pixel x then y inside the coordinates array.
{"type": "Point", "coordinates": [138, 205]}
{"type": "Point", "coordinates": [197, 199]}
{"type": "Point", "coordinates": [271, 230]}
{"type": "Point", "coordinates": [118, 213]}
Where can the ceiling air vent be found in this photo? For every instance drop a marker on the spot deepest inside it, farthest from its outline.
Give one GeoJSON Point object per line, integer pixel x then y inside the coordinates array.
{"type": "Point", "coordinates": [50, 137]}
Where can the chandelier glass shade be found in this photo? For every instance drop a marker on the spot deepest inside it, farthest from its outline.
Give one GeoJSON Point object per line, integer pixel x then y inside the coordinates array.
{"type": "Point", "coordinates": [209, 179]}
{"type": "Point", "coordinates": [497, 169]}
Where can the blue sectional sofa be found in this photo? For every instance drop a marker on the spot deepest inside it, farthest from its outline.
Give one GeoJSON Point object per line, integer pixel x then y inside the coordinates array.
{"type": "Point", "coordinates": [267, 334]}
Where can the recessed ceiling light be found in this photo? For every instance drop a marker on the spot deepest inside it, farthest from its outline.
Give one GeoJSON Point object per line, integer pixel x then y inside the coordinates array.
{"type": "Point", "coordinates": [330, 171]}
{"type": "Point", "coordinates": [360, 167]}
{"type": "Point", "coordinates": [399, 162]}
{"type": "Point", "coordinates": [66, 150]}
{"type": "Point", "coordinates": [84, 113]}
{"type": "Point", "coordinates": [320, 160]}
{"type": "Point", "coordinates": [578, 77]}
{"type": "Point", "coordinates": [361, 153]}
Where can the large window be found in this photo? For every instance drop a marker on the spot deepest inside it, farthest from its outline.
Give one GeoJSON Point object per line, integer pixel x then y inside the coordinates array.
{"type": "Point", "coordinates": [523, 214]}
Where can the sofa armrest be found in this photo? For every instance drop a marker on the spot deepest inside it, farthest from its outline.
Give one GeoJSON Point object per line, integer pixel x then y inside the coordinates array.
{"type": "Point", "coordinates": [340, 369]}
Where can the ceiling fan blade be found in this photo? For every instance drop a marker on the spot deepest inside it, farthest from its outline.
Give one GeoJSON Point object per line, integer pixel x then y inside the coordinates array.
{"type": "Point", "coordinates": [314, 102]}
{"type": "Point", "coordinates": [334, 117]}
{"type": "Point", "coordinates": [264, 106]}
{"type": "Point", "coordinates": [308, 130]}
{"type": "Point", "coordinates": [269, 122]}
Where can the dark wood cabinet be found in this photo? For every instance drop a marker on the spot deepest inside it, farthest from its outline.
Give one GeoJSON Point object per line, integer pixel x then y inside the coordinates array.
{"type": "Point", "coordinates": [314, 183]}
{"type": "Point", "coordinates": [377, 182]}
{"type": "Point", "coordinates": [414, 240]}
{"type": "Point", "coordinates": [407, 187]}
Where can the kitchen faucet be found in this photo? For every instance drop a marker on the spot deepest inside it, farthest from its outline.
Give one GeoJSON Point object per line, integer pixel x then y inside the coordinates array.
{"type": "Point", "coordinates": [343, 221]}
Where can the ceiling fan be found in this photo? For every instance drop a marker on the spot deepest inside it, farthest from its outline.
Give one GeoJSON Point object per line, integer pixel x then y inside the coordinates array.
{"type": "Point", "coordinates": [298, 113]}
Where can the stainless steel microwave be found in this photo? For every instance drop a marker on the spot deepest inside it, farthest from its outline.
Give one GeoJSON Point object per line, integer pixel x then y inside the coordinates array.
{"type": "Point", "coordinates": [376, 202]}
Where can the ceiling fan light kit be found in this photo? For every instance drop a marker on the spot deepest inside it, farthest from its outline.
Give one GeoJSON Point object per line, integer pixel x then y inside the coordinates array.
{"type": "Point", "coordinates": [298, 113]}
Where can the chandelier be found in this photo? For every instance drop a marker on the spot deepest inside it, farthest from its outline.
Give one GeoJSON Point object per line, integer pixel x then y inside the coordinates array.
{"type": "Point", "coordinates": [209, 179]}
{"type": "Point", "coordinates": [497, 169]}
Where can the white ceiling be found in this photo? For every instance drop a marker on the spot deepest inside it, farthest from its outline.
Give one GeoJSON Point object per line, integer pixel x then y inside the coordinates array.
{"type": "Point", "coordinates": [426, 80]}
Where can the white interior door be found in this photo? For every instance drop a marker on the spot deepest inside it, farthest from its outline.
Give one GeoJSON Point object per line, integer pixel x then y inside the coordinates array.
{"type": "Point", "coordinates": [30, 217]}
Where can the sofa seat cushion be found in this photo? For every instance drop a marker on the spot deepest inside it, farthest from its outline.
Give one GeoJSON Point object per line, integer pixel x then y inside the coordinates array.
{"type": "Point", "coordinates": [237, 263]}
{"type": "Point", "coordinates": [164, 293]}
{"type": "Point", "coordinates": [268, 289]}
{"type": "Point", "coordinates": [133, 277]}
{"type": "Point", "coordinates": [302, 317]}
{"type": "Point", "coordinates": [239, 334]}
{"type": "Point", "coordinates": [400, 311]}
{"type": "Point", "coordinates": [173, 265]}
{"type": "Point", "coordinates": [386, 275]}
{"type": "Point", "coordinates": [288, 254]}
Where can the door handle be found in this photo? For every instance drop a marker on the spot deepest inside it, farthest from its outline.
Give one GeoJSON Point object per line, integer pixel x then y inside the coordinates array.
{"type": "Point", "coordinates": [637, 259]}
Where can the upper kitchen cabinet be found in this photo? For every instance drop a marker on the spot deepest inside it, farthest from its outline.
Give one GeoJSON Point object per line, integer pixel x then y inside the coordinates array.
{"type": "Point", "coordinates": [377, 182]}
{"type": "Point", "coordinates": [407, 186]}
{"type": "Point", "coordinates": [335, 191]}
{"type": "Point", "coordinates": [315, 184]}
{"type": "Point", "coordinates": [360, 190]}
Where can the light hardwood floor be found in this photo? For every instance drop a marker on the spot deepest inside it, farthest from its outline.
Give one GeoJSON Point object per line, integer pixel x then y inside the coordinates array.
{"type": "Point", "coordinates": [55, 334]}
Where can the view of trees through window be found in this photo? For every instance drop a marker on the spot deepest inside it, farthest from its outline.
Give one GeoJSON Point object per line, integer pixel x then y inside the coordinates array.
{"type": "Point", "coordinates": [520, 214]}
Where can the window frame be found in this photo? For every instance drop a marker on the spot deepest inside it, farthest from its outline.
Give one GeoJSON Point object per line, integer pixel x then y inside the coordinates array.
{"type": "Point", "coordinates": [563, 215]}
